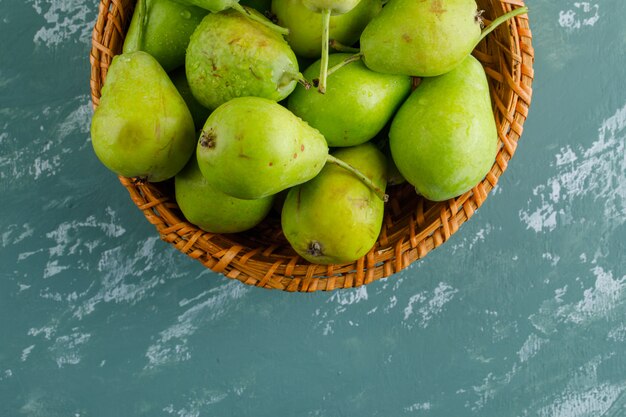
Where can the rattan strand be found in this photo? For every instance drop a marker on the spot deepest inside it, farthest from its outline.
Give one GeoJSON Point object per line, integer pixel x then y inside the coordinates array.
{"type": "Point", "coordinates": [412, 226]}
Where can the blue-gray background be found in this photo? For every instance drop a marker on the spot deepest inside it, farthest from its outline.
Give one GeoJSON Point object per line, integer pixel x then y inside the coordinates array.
{"type": "Point", "coordinates": [520, 314]}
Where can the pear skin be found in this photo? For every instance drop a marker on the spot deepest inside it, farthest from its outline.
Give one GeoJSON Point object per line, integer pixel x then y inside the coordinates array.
{"type": "Point", "coordinates": [357, 104]}
{"type": "Point", "coordinates": [142, 126]}
{"type": "Point", "coordinates": [162, 28]}
{"type": "Point", "coordinates": [444, 139]}
{"type": "Point", "coordinates": [251, 147]}
{"type": "Point", "coordinates": [214, 6]}
{"type": "Point", "coordinates": [421, 37]}
{"type": "Point", "coordinates": [198, 111]}
{"type": "Point", "coordinates": [335, 6]}
{"type": "Point", "coordinates": [335, 218]}
{"type": "Point", "coordinates": [232, 56]}
{"type": "Point", "coordinates": [305, 31]}
{"type": "Point", "coordinates": [212, 210]}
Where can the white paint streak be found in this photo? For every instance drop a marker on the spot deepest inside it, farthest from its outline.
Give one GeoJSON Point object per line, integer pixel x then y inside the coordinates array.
{"type": "Point", "coordinates": [172, 343]}
{"type": "Point", "coordinates": [531, 347]}
{"type": "Point", "coordinates": [66, 20]}
{"type": "Point", "coordinates": [431, 305]}
{"type": "Point", "coordinates": [598, 172]}
{"type": "Point", "coordinates": [583, 14]}
{"type": "Point", "coordinates": [15, 234]}
{"type": "Point", "coordinates": [67, 348]}
{"type": "Point", "coordinates": [599, 300]}
{"type": "Point", "coordinates": [349, 296]}
{"type": "Point", "coordinates": [418, 407]}
{"type": "Point", "coordinates": [26, 353]}
{"type": "Point", "coordinates": [196, 406]}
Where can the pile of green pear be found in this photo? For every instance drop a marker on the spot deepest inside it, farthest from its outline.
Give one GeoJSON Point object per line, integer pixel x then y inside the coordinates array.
{"type": "Point", "coordinates": [307, 109]}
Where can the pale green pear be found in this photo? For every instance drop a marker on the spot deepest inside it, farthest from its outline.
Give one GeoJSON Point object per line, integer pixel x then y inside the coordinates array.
{"type": "Point", "coordinates": [142, 126]}
{"type": "Point", "coordinates": [421, 37]}
{"type": "Point", "coordinates": [357, 104]}
{"type": "Point", "coordinates": [444, 139]}
{"type": "Point", "coordinates": [212, 210]}
{"type": "Point", "coordinates": [162, 28]}
{"type": "Point", "coordinates": [305, 30]}
{"type": "Point", "coordinates": [231, 56]}
{"type": "Point", "coordinates": [251, 147]}
{"type": "Point", "coordinates": [335, 218]}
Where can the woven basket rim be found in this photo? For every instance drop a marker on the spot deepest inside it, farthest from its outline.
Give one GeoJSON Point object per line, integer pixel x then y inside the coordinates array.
{"type": "Point", "coordinates": [412, 227]}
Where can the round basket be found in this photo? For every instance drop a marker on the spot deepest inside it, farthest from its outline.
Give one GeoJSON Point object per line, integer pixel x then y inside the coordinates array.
{"type": "Point", "coordinates": [412, 226]}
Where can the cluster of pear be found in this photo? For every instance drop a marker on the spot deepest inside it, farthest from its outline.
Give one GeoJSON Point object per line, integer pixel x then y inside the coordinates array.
{"type": "Point", "coordinates": [209, 92]}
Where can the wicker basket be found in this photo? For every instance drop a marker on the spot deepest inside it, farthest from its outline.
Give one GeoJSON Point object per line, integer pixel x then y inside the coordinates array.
{"type": "Point", "coordinates": [412, 226]}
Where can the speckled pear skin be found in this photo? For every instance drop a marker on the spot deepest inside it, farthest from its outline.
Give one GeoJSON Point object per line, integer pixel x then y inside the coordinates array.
{"type": "Point", "coordinates": [422, 38]}
{"type": "Point", "coordinates": [212, 210]}
{"type": "Point", "coordinates": [251, 147]}
{"type": "Point", "coordinates": [230, 55]}
{"type": "Point", "coordinates": [213, 6]}
{"type": "Point", "coordinates": [357, 104]}
{"type": "Point", "coordinates": [444, 138]}
{"type": "Point", "coordinates": [142, 127]}
{"type": "Point", "coordinates": [162, 28]}
{"type": "Point", "coordinates": [305, 35]}
{"type": "Point", "coordinates": [335, 218]}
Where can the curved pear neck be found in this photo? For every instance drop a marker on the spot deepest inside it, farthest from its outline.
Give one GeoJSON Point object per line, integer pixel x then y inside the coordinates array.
{"type": "Point", "coordinates": [498, 21]}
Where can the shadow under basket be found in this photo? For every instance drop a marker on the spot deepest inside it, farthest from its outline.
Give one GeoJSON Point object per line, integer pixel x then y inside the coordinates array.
{"type": "Point", "coordinates": [412, 226]}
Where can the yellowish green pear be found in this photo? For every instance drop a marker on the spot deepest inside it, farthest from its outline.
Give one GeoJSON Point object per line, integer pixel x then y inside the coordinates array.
{"type": "Point", "coordinates": [444, 139]}
{"type": "Point", "coordinates": [142, 126]}
{"type": "Point", "coordinates": [335, 218]}
{"type": "Point", "coordinates": [212, 210]}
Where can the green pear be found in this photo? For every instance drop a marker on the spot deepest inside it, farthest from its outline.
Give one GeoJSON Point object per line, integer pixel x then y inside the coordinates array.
{"type": "Point", "coordinates": [251, 147]}
{"type": "Point", "coordinates": [216, 6]}
{"type": "Point", "coordinates": [231, 56]}
{"type": "Point", "coordinates": [198, 111]}
{"type": "Point", "coordinates": [335, 218]}
{"type": "Point", "coordinates": [162, 28]}
{"type": "Point", "coordinates": [142, 127]}
{"type": "Point", "coordinates": [327, 8]}
{"type": "Point", "coordinates": [421, 38]}
{"type": "Point", "coordinates": [334, 6]}
{"type": "Point", "coordinates": [212, 210]}
{"type": "Point", "coordinates": [305, 31]}
{"type": "Point", "coordinates": [444, 139]}
{"type": "Point", "coordinates": [357, 104]}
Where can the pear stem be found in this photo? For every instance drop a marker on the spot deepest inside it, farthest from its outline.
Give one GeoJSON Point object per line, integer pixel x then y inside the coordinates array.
{"type": "Point", "coordinates": [303, 81]}
{"type": "Point", "coordinates": [345, 62]}
{"type": "Point", "coordinates": [264, 22]}
{"type": "Point", "coordinates": [338, 46]}
{"type": "Point", "coordinates": [380, 193]}
{"type": "Point", "coordinates": [498, 21]}
{"type": "Point", "coordinates": [331, 70]}
{"type": "Point", "coordinates": [325, 38]}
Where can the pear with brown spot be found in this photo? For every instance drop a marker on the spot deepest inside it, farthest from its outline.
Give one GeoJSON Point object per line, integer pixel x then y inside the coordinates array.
{"type": "Point", "coordinates": [335, 218]}
{"type": "Point", "coordinates": [421, 38]}
{"type": "Point", "coordinates": [251, 147]}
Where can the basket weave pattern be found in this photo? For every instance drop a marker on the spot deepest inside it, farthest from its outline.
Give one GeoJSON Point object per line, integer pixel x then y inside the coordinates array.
{"type": "Point", "coordinates": [412, 226]}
